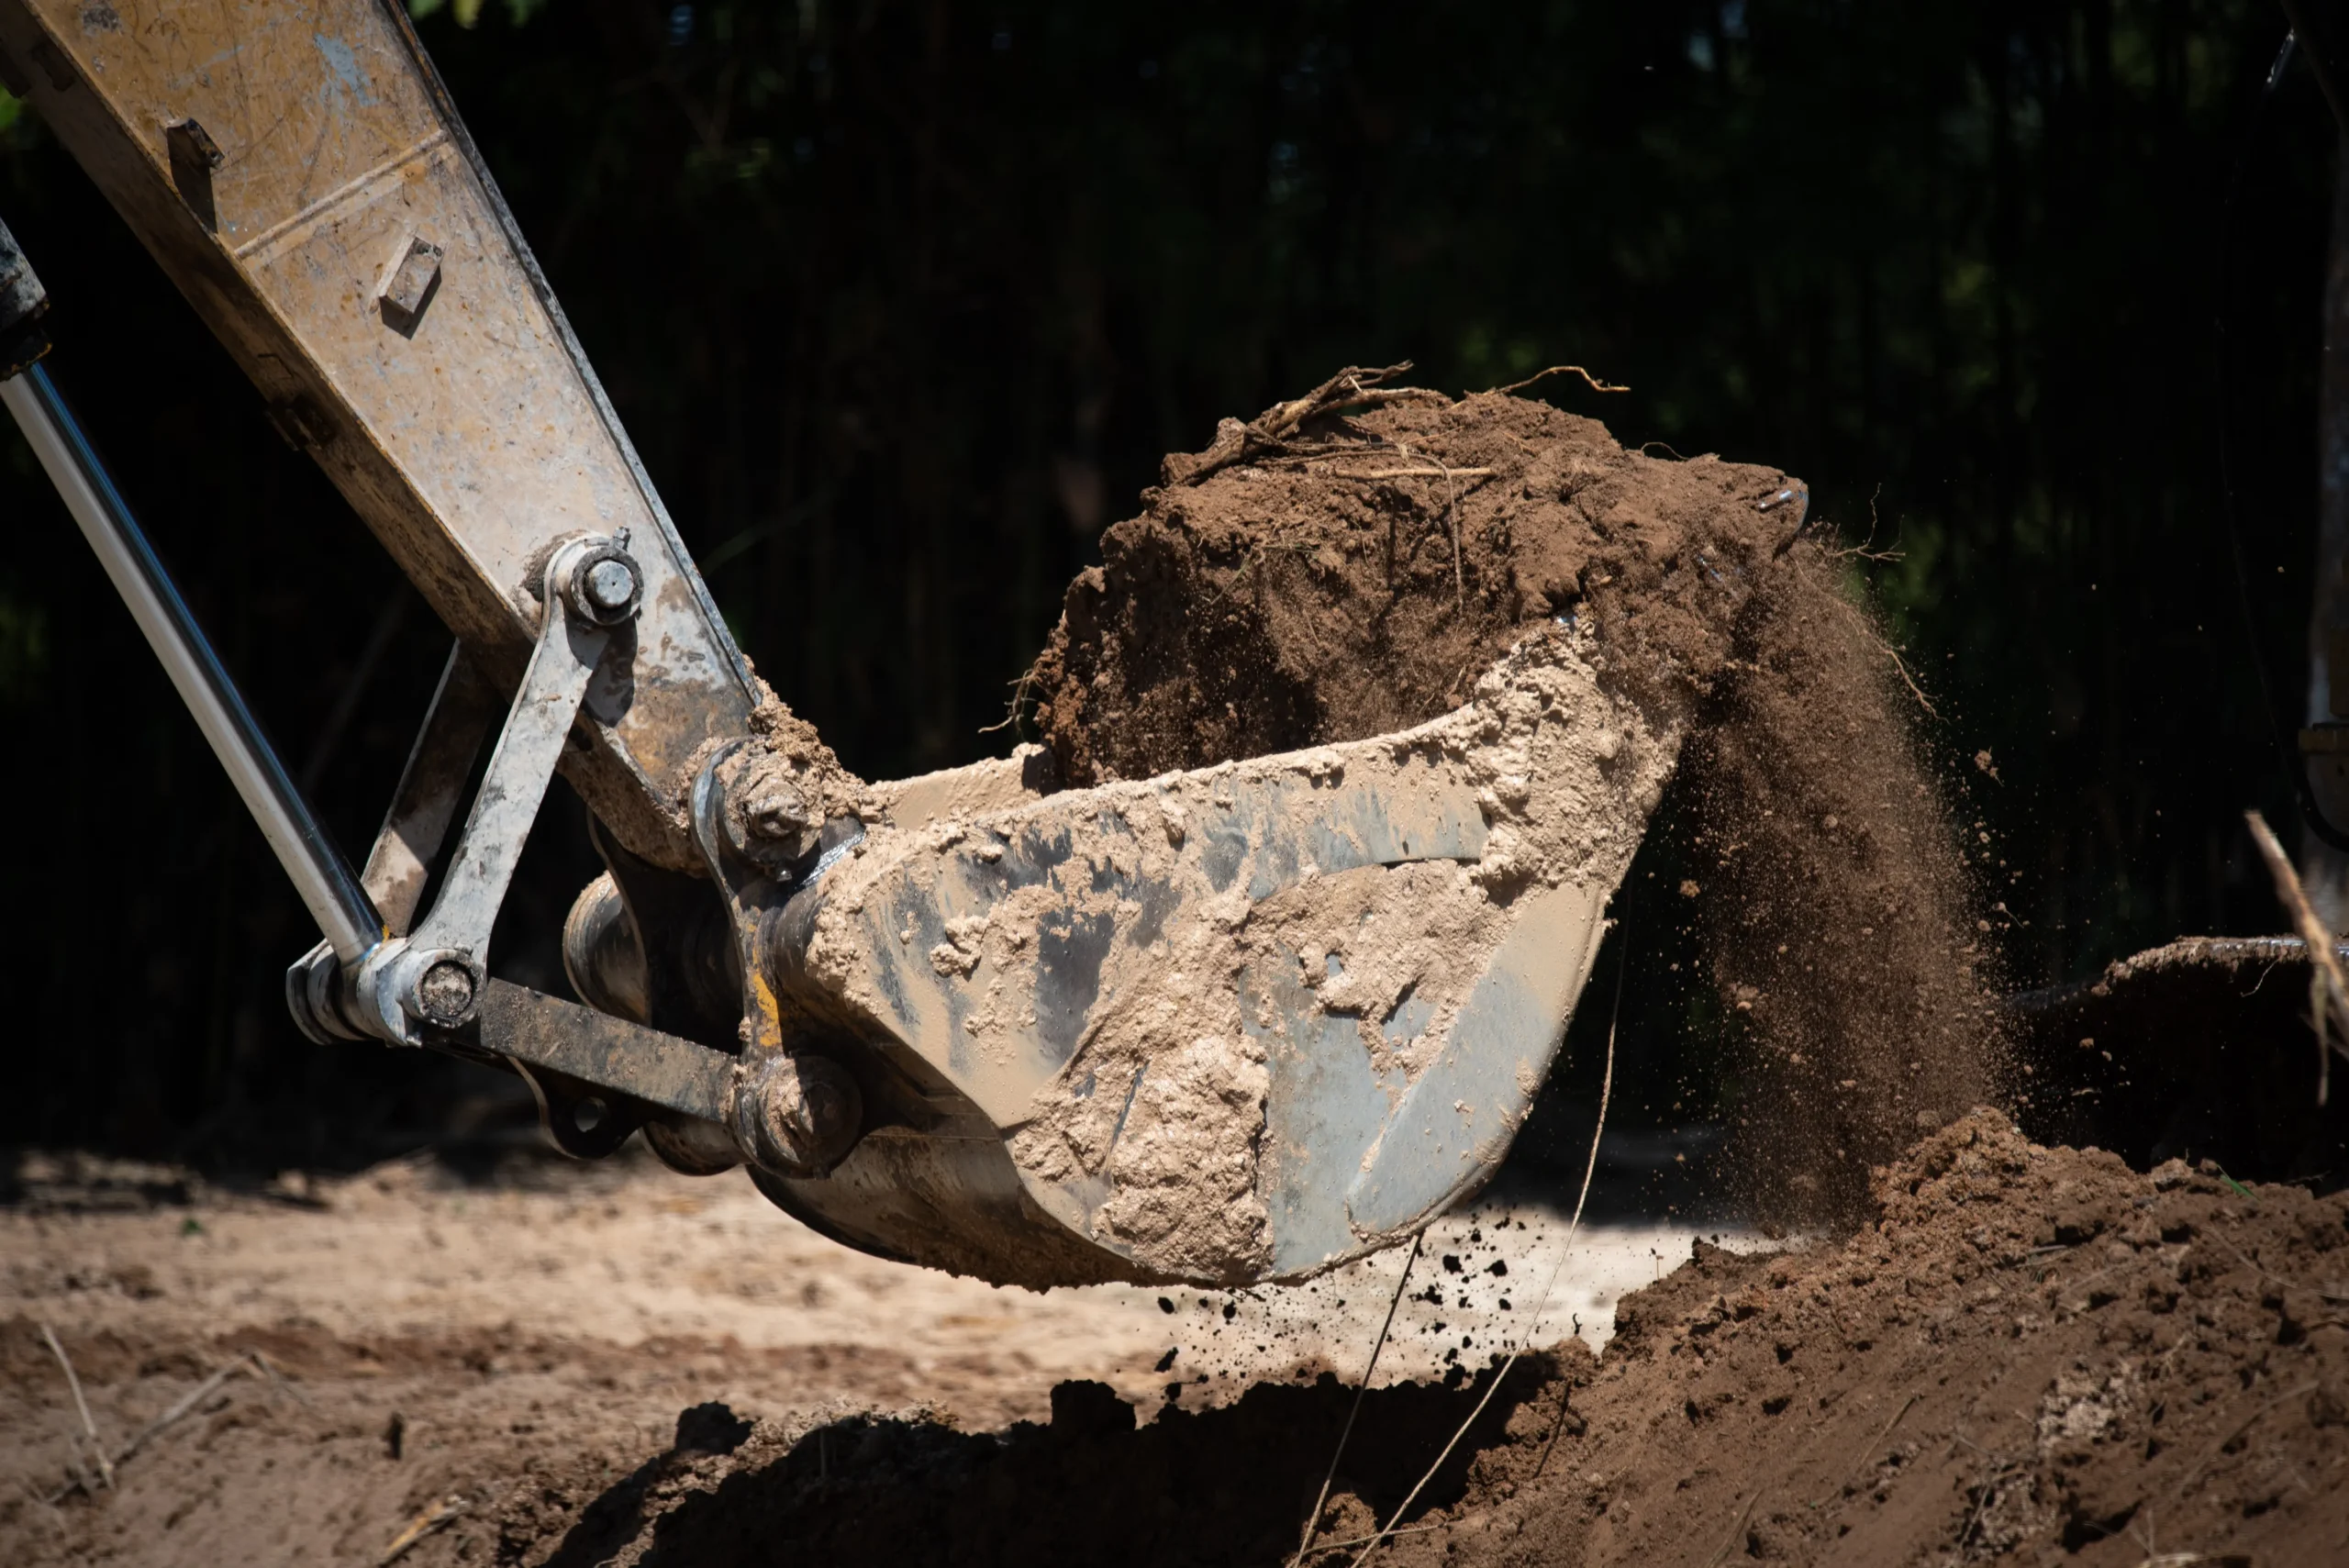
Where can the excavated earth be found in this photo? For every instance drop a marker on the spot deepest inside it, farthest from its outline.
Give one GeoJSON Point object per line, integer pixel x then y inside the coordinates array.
{"type": "Point", "coordinates": [2028, 1355]}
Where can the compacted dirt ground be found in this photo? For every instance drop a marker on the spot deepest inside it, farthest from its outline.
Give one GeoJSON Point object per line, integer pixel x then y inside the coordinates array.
{"type": "Point", "coordinates": [2030, 1355]}
{"type": "Point", "coordinates": [412, 1337]}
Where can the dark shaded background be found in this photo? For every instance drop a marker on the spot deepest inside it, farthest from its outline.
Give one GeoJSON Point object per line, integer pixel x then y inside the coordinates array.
{"type": "Point", "coordinates": [902, 302]}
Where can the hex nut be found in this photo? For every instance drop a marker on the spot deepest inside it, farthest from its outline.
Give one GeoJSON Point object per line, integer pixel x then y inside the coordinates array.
{"type": "Point", "coordinates": [605, 585]}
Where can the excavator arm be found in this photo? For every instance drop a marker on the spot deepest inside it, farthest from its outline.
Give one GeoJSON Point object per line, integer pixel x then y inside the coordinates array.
{"type": "Point", "coordinates": [300, 174]}
{"type": "Point", "coordinates": [1197, 1027]}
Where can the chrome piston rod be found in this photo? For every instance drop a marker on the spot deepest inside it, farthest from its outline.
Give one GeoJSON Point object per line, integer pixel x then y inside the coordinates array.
{"type": "Point", "coordinates": [342, 908]}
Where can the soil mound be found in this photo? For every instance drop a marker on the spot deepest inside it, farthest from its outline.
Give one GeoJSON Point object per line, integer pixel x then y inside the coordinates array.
{"type": "Point", "coordinates": [2029, 1354]}
{"type": "Point", "coordinates": [1346, 564]}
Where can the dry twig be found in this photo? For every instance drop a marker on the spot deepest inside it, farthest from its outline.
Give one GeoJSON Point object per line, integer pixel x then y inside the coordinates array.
{"type": "Point", "coordinates": [424, 1524]}
{"type": "Point", "coordinates": [2328, 986]}
{"type": "Point", "coordinates": [1420, 474]}
{"type": "Point", "coordinates": [98, 1447]}
{"type": "Point", "coordinates": [1596, 384]}
{"type": "Point", "coordinates": [1270, 434]}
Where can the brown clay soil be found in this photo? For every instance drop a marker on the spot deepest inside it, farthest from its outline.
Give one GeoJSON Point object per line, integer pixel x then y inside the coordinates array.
{"type": "Point", "coordinates": [2027, 1356]}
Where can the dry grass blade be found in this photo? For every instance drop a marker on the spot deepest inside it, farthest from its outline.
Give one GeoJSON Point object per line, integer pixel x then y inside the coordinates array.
{"type": "Point", "coordinates": [1533, 1323]}
{"type": "Point", "coordinates": [1874, 1443]}
{"type": "Point", "coordinates": [180, 1408]}
{"type": "Point", "coordinates": [251, 1364]}
{"type": "Point", "coordinates": [2328, 986]}
{"type": "Point", "coordinates": [1313, 1519]}
{"type": "Point", "coordinates": [2240, 1428]}
{"type": "Point", "coordinates": [97, 1448]}
{"type": "Point", "coordinates": [1743, 1514]}
{"type": "Point", "coordinates": [424, 1524]}
{"type": "Point", "coordinates": [1364, 1540]}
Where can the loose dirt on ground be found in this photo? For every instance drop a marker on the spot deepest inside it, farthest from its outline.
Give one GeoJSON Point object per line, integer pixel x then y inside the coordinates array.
{"type": "Point", "coordinates": [2028, 1356]}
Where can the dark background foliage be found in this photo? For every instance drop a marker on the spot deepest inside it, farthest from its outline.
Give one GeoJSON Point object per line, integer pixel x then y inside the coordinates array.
{"type": "Point", "coordinates": [902, 302]}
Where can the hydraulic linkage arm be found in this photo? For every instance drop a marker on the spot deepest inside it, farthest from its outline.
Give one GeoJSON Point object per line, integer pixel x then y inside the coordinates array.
{"type": "Point", "coordinates": [300, 174]}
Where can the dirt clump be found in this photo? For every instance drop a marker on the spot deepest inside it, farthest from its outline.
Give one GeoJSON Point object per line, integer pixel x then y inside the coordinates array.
{"type": "Point", "coordinates": [1345, 566]}
{"type": "Point", "coordinates": [1353, 579]}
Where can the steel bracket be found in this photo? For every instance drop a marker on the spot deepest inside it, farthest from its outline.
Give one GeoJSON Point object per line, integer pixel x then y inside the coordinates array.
{"type": "Point", "coordinates": [435, 976]}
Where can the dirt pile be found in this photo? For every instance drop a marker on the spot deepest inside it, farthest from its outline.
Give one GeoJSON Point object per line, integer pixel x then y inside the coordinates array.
{"type": "Point", "coordinates": [2031, 1351]}
{"type": "Point", "coordinates": [2029, 1355]}
{"type": "Point", "coordinates": [1346, 564]}
{"type": "Point", "coordinates": [2033, 1354]}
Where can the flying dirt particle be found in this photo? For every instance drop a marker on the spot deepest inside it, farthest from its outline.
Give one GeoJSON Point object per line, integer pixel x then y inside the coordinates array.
{"type": "Point", "coordinates": [1688, 889]}
{"type": "Point", "coordinates": [1168, 1359]}
{"type": "Point", "coordinates": [1499, 1268]}
{"type": "Point", "coordinates": [1450, 1264]}
{"type": "Point", "coordinates": [1166, 1304]}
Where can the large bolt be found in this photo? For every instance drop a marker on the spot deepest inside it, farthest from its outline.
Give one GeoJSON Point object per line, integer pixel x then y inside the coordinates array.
{"type": "Point", "coordinates": [604, 584]}
{"type": "Point", "coordinates": [769, 821]}
{"type": "Point", "coordinates": [798, 1115]}
{"type": "Point", "coordinates": [446, 992]}
{"type": "Point", "coordinates": [776, 811]}
{"type": "Point", "coordinates": [611, 585]}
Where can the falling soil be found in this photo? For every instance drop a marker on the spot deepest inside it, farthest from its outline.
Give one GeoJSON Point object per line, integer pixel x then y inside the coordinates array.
{"type": "Point", "coordinates": [1345, 565]}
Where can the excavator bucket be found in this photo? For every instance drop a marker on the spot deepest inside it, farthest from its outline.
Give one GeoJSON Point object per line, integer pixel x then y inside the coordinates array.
{"type": "Point", "coordinates": [1227, 1026]}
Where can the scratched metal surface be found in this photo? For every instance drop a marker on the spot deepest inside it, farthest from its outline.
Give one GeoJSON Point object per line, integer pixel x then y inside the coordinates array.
{"type": "Point", "coordinates": [469, 434]}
